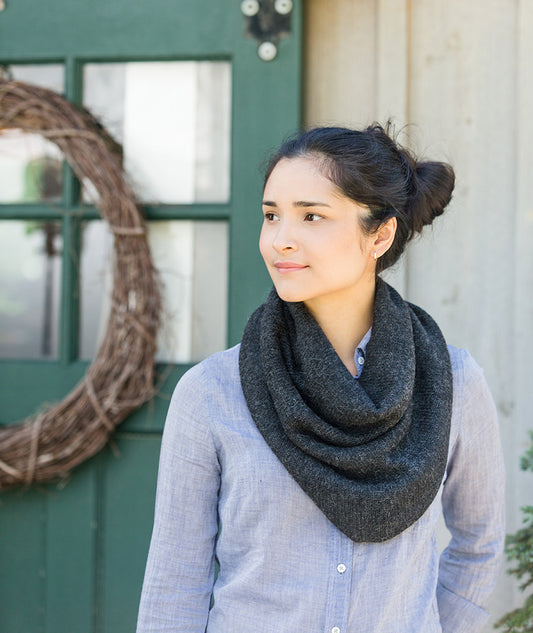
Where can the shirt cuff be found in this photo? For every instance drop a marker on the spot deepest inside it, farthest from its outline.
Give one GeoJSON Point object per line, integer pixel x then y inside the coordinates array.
{"type": "Point", "coordinates": [457, 614]}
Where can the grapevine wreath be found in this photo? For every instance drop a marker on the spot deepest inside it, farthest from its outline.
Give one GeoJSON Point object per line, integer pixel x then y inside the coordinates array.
{"type": "Point", "coordinates": [120, 379]}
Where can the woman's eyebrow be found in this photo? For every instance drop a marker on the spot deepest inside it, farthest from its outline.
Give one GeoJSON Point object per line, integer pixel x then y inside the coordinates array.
{"type": "Point", "coordinates": [310, 203]}
{"type": "Point", "coordinates": [298, 203]}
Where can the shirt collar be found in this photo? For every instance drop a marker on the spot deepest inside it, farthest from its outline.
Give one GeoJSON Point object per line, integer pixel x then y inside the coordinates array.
{"type": "Point", "coordinates": [359, 356]}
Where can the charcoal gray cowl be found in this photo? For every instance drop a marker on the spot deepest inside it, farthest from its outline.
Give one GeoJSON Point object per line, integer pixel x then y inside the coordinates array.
{"type": "Point", "coordinates": [371, 453]}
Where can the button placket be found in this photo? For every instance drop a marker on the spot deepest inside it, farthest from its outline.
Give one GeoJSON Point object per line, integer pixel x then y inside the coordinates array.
{"type": "Point", "coordinates": [340, 574]}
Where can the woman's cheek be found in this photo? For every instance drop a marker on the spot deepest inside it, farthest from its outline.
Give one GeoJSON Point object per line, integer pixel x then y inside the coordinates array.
{"type": "Point", "coordinates": [263, 243]}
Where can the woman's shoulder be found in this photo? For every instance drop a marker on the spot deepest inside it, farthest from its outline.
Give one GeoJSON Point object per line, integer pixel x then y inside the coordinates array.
{"type": "Point", "coordinates": [473, 405]}
{"type": "Point", "coordinates": [217, 374]}
{"type": "Point", "coordinates": [217, 366]}
{"type": "Point", "coordinates": [466, 371]}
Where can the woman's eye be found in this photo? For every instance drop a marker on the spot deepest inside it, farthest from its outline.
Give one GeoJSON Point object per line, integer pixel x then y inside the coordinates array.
{"type": "Point", "coordinates": [312, 217]}
{"type": "Point", "coordinates": [270, 217]}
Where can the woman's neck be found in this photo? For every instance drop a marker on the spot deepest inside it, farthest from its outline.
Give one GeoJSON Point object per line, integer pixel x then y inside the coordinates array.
{"type": "Point", "coordinates": [345, 319]}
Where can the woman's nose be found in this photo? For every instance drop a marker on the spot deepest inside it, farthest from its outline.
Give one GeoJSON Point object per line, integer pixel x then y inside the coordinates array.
{"type": "Point", "coordinates": [284, 240]}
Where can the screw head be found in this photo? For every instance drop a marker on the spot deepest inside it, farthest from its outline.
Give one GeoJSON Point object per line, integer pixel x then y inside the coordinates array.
{"type": "Point", "coordinates": [283, 7]}
{"type": "Point", "coordinates": [267, 51]}
{"type": "Point", "coordinates": [249, 7]}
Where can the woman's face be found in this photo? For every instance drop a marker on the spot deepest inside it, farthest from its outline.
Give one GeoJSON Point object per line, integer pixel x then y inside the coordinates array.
{"type": "Point", "coordinates": [311, 239]}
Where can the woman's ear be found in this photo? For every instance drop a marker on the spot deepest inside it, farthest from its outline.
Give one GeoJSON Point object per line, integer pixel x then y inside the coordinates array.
{"type": "Point", "coordinates": [384, 237]}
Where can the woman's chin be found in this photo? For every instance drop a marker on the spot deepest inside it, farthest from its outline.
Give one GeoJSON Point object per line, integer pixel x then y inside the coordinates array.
{"type": "Point", "coordinates": [289, 295]}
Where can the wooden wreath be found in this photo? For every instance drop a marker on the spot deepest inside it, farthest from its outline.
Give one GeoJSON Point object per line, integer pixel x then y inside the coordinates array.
{"type": "Point", "coordinates": [121, 377]}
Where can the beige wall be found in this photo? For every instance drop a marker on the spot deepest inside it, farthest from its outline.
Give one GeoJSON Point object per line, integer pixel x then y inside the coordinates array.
{"type": "Point", "coordinates": [459, 74]}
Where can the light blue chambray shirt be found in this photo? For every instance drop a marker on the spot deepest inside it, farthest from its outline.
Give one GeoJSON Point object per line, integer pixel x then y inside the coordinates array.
{"type": "Point", "coordinates": [283, 565]}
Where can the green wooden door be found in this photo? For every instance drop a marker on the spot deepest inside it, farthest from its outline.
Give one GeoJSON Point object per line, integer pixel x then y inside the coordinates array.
{"type": "Point", "coordinates": [72, 556]}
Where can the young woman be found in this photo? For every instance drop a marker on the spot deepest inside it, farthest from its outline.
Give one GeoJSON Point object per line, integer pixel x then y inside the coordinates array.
{"type": "Point", "coordinates": [313, 460]}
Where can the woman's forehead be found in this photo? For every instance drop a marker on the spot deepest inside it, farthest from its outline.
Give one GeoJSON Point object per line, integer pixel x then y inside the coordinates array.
{"type": "Point", "coordinates": [299, 172]}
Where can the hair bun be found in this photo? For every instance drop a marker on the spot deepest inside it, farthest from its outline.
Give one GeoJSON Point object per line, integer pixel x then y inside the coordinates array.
{"type": "Point", "coordinates": [431, 190]}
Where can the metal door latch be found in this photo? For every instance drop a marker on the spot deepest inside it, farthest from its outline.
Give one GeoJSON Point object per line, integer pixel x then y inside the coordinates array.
{"type": "Point", "coordinates": [267, 21]}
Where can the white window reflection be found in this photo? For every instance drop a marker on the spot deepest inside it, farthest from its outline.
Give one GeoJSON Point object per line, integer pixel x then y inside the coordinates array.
{"type": "Point", "coordinates": [173, 120]}
{"type": "Point", "coordinates": [51, 76]}
{"type": "Point", "coordinates": [191, 258]}
{"type": "Point", "coordinates": [30, 282]}
{"type": "Point", "coordinates": [30, 166]}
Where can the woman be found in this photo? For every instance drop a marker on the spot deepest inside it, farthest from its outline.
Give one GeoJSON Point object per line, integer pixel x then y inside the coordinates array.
{"type": "Point", "coordinates": [313, 461]}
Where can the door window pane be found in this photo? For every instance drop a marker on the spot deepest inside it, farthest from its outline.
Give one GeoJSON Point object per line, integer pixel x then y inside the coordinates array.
{"type": "Point", "coordinates": [30, 278]}
{"type": "Point", "coordinates": [51, 76]}
{"type": "Point", "coordinates": [95, 285]}
{"type": "Point", "coordinates": [30, 166]}
{"type": "Point", "coordinates": [173, 121]}
{"type": "Point", "coordinates": [191, 258]}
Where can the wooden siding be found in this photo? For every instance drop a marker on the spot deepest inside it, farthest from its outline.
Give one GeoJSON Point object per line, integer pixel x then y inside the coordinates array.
{"type": "Point", "coordinates": [459, 74]}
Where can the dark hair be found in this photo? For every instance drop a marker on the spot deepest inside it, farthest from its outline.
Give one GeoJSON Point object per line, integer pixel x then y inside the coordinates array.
{"type": "Point", "coordinates": [372, 169]}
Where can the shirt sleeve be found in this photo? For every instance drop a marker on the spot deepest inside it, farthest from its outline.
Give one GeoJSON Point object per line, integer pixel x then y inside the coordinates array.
{"type": "Point", "coordinates": [473, 506]}
{"type": "Point", "coordinates": [181, 561]}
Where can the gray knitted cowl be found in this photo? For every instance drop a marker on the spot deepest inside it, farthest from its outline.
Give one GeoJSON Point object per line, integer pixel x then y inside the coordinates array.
{"type": "Point", "coordinates": [371, 453]}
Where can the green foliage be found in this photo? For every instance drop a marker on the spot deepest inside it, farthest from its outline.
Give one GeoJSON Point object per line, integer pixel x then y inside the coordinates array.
{"type": "Point", "coordinates": [519, 548]}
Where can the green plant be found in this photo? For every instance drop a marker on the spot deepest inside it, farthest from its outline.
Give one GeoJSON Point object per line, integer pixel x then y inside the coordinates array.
{"type": "Point", "coordinates": [519, 548]}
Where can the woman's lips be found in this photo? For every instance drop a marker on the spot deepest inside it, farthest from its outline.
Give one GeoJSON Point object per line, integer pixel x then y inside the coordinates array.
{"type": "Point", "coordinates": [288, 267]}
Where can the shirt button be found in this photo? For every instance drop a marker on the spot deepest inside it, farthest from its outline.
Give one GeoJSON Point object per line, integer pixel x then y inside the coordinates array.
{"type": "Point", "coordinates": [361, 360]}
{"type": "Point", "coordinates": [335, 629]}
{"type": "Point", "coordinates": [341, 568]}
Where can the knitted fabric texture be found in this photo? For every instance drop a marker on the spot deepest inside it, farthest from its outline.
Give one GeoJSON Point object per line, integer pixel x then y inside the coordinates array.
{"type": "Point", "coordinates": [371, 453]}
